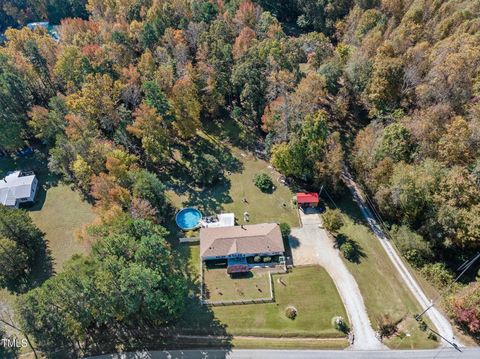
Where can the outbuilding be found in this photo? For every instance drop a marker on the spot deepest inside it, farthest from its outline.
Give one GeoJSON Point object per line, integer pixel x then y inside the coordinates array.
{"type": "Point", "coordinates": [307, 199]}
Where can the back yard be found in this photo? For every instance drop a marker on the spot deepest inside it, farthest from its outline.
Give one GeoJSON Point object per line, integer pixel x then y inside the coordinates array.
{"type": "Point", "coordinates": [236, 192]}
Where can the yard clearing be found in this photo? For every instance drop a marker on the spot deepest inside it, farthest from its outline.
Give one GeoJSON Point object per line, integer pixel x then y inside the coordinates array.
{"type": "Point", "coordinates": [219, 286]}
{"type": "Point", "coordinates": [60, 216]}
{"type": "Point", "coordinates": [382, 289]}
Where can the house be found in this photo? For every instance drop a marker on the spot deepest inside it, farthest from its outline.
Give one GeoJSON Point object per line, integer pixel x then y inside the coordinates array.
{"type": "Point", "coordinates": [18, 187]}
{"type": "Point", "coordinates": [307, 199]}
{"type": "Point", "coordinates": [239, 243]}
{"type": "Point", "coordinates": [52, 30]}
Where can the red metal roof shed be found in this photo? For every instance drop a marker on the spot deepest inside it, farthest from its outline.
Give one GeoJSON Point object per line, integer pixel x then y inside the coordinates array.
{"type": "Point", "coordinates": [307, 198]}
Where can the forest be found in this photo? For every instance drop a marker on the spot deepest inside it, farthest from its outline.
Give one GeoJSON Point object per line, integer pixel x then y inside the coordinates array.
{"type": "Point", "coordinates": [388, 88]}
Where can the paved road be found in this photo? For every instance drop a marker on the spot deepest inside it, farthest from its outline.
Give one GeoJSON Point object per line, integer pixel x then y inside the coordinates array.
{"type": "Point", "coordinates": [441, 323]}
{"type": "Point", "coordinates": [295, 354]}
{"type": "Point", "coordinates": [311, 245]}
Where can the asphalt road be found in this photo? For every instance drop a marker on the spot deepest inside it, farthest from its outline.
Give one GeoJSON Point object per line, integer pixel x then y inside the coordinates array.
{"type": "Point", "coordinates": [442, 353]}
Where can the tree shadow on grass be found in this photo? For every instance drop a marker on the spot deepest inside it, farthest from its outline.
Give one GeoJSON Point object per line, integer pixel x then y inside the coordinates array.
{"type": "Point", "coordinates": [357, 253]}
{"type": "Point", "coordinates": [210, 200]}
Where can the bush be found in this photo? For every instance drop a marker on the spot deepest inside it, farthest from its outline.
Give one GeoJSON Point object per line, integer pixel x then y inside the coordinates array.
{"type": "Point", "coordinates": [332, 220]}
{"type": "Point", "coordinates": [291, 312]}
{"type": "Point", "coordinates": [386, 326]}
{"type": "Point", "coordinates": [257, 259]}
{"type": "Point", "coordinates": [437, 274]}
{"type": "Point", "coordinates": [267, 259]}
{"type": "Point", "coordinates": [422, 325]}
{"type": "Point", "coordinates": [412, 246]}
{"type": "Point", "coordinates": [339, 324]}
{"type": "Point", "coordinates": [285, 230]}
{"type": "Point", "coordinates": [432, 336]}
{"type": "Point", "coordinates": [191, 234]}
{"type": "Point", "coordinates": [464, 307]}
{"type": "Point", "coordinates": [348, 250]}
{"type": "Point", "coordinates": [263, 182]}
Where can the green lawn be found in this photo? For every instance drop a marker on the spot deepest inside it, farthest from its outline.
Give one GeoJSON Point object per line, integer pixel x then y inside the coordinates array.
{"type": "Point", "coordinates": [383, 290]}
{"type": "Point", "coordinates": [229, 197]}
{"type": "Point", "coordinates": [290, 343]}
{"type": "Point", "coordinates": [309, 289]}
{"type": "Point", "coordinates": [62, 213]}
{"type": "Point", "coordinates": [220, 286]}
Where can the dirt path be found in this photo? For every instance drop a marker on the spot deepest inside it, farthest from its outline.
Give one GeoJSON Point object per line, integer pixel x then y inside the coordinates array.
{"type": "Point", "coordinates": [439, 321]}
{"type": "Point", "coordinates": [311, 245]}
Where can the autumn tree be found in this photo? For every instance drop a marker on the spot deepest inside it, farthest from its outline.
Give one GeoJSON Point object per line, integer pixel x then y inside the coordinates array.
{"type": "Point", "coordinates": [150, 128]}
{"type": "Point", "coordinates": [186, 107]}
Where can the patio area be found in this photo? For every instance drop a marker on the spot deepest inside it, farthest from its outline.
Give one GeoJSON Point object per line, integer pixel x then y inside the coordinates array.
{"type": "Point", "coordinates": [219, 220]}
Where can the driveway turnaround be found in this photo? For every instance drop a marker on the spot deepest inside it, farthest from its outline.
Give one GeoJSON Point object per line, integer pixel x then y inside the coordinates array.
{"type": "Point", "coordinates": [441, 323]}
{"type": "Point", "coordinates": [311, 245]}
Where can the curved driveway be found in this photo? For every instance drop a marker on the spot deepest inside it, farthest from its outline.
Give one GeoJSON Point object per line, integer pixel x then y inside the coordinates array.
{"type": "Point", "coordinates": [438, 319]}
{"type": "Point", "coordinates": [311, 245]}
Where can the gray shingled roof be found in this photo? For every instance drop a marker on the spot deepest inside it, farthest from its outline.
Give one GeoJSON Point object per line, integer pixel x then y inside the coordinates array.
{"type": "Point", "coordinates": [249, 239]}
{"type": "Point", "coordinates": [14, 186]}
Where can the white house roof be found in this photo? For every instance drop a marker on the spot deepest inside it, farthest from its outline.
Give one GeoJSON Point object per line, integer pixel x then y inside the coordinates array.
{"type": "Point", "coordinates": [14, 187]}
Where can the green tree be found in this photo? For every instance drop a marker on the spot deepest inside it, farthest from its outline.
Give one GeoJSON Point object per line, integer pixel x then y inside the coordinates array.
{"type": "Point", "coordinates": [131, 280]}
{"type": "Point", "coordinates": [15, 99]}
{"type": "Point", "coordinates": [49, 123]}
{"type": "Point", "coordinates": [285, 230]}
{"type": "Point", "coordinates": [396, 143]}
{"type": "Point", "coordinates": [332, 220]}
{"type": "Point", "coordinates": [412, 246]}
{"type": "Point", "coordinates": [14, 262]}
{"type": "Point", "coordinates": [17, 225]}
{"type": "Point", "coordinates": [147, 185]}
{"type": "Point", "coordinates": [264, 182]}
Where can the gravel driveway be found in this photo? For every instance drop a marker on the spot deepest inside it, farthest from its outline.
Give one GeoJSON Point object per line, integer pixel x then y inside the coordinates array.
{"type": "Point", "coordinates": [311, 245]}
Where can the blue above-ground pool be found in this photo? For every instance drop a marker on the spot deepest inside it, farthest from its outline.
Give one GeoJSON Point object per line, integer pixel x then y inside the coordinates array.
{"type": "Point", "coordinates": [188, 218]}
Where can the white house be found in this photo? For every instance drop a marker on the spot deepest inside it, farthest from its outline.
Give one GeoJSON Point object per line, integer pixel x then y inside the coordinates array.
{"type": "Point", "coordinates": [18, 188]}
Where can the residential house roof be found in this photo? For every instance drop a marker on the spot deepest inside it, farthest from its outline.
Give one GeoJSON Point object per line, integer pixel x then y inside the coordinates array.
{"type": "Point", "coordinates": [15, 186]}
{"type": "Point", "coordinates": [246, 239]}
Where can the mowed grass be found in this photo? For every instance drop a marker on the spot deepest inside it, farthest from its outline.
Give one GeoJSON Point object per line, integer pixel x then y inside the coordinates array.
{"type": "Point", "coordinates": [290, 343]}
{"type": "Point", "coordinates": [221, 286]}
{"type": "Point", "coordinates": [262, 207]}
{"type": "Point", "coordinates": [309, 289]}
{"type": "Point", "coordinates": [60, 216]}
{"type": "Point", "coordinates": [380, 284]}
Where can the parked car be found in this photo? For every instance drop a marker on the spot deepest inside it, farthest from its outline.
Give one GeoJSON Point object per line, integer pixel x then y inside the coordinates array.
{"type": "Point", "coordinates": [24, 152]}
